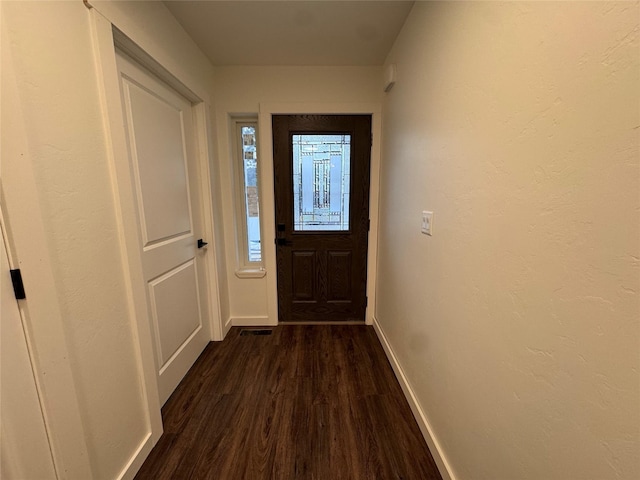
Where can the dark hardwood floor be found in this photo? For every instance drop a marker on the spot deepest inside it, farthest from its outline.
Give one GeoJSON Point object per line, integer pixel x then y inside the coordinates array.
{"type": "Point", "coordinates": [306, 402]}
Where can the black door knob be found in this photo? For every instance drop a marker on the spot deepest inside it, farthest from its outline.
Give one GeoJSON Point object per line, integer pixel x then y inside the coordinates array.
{"type": "Point", "coordinates": [283, 242]}
{"type": "Point", "coordinates": [201, 243]}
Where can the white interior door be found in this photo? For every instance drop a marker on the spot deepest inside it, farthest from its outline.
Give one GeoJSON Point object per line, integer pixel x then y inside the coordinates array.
{"type": "Point", "coordinates": [25, 452]}
{"type": "Point", "coordinates": [160, 133]}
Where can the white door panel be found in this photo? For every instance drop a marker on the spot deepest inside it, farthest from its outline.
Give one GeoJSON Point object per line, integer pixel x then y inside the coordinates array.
{"type": "Point", "coordinates": [24, 445]}
{"type": "Point", "coordinates": [159, 161]}
{"type": "Point", "coordinates": [174, 297]}
{"type": "Point", "coordinates": [163, 164]}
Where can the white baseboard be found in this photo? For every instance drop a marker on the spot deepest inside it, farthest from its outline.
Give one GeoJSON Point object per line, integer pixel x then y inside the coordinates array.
{"type": "Point", "coordinates": [137, 459]}
{"type": "Point", "coordinates": [252, 322]}
{"type": "Point", "coordinates": [418, 413]}
{"type": "Point", "coordinates": [226, 327]}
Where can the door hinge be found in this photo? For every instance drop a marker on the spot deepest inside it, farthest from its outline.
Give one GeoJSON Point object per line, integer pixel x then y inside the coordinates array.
{"type": "Point", "coordinates": [368, 224]}
{"type": "Point", "coordinates": [18, 286]}
{"type": "Point", "coordinates": [366, 302]}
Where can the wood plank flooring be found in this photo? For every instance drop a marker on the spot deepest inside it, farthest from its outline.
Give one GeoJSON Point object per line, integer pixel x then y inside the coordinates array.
{"type": "Point", "coordinates": [306, 402]}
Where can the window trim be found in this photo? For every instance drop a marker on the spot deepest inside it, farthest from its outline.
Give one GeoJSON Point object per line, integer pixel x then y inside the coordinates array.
{"type": "Point", "coordinates": [244, 267]}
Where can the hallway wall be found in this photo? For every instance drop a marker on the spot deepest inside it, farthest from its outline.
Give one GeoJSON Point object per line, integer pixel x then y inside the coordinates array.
{"type": "Point", "coordinates": [49, 45]}
{"type": "Point", "coordinates": [516, 323]}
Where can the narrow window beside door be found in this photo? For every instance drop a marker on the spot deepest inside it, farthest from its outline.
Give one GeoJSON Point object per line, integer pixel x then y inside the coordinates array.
{"type": "Point", "coordinates": [248, 213]}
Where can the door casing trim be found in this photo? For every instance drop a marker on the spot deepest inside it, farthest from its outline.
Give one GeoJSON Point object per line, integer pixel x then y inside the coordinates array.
{"type": "Point", "coordinates": [107, 37]}
{"type": "Point", "coordinates": [266, 110]}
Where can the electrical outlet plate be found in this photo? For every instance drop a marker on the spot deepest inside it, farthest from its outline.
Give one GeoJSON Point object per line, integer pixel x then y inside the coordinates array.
{"type": "Point", "coordinates": [427, 222]}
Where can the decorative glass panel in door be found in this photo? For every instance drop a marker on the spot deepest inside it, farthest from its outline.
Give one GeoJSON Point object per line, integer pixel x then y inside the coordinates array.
{"type": "Point", "coordinates": [321, 182]}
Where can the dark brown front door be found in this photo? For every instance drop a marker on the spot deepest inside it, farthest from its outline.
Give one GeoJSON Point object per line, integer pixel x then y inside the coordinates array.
{"type": "Point", "coordinates": [321, 169]}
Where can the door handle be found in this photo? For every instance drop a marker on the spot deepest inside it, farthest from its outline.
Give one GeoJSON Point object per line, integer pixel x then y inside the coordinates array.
{"type": "Point", "coordinates": [283, 242]}
{"type": "Point", "coordinates": [202, 243]}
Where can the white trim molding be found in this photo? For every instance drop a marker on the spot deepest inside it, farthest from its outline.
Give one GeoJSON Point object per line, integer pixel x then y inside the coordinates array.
{"type": "Point", "coordinates": [251, 272]}
{"type": "Point", "coordinates": [109, 92]}
{"type": "Point", "coordinates": [227, 326]}
{"type": "Point", "coordinates": [418, 413]}
{"type": "Point", "coordinates": [111, 33]}
{"type": "Point", "coordinates": [252, 322]}
{"type": "Point", "coordinates": [137, 459]}
{"type": "Point", "coordinates": [244, 267]}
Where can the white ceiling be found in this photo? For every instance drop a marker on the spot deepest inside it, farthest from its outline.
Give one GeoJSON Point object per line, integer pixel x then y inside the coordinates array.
{"type": "Point", "coordinates": [294, 32]}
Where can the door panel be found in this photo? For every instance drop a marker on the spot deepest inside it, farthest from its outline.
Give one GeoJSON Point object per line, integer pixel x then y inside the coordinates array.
{"type": "Point", "coordinates": [163, 165]}
{"type": "Point", "coordinates": [303, 272]}
{"type": "Point", "coordinates": [339, 276]}
{"type": "Point", "coordinates": [175, 308]}
{"type": "Point", "coordinates": [24, 445]}
{"type": "Point", "coordinates": [159, 161]}
{"type": "Point", "coordinates": [321, 176]}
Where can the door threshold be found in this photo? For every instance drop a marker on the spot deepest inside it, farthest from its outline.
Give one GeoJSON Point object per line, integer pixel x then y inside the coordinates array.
{"type": "Point", "coordinates": [347, 322]}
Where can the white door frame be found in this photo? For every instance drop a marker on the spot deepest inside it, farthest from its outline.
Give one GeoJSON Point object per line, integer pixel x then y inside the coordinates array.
{"type": "Point", "coordinates": [28, 450]}
{"type": "Point", "coordinates": [106, 38]}
{"type": "Point", "coordinates": [265, 131]}
{"type": "Point", "coordinates": [43, 323]}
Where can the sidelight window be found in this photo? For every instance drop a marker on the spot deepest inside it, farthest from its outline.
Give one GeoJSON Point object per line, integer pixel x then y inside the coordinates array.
{"type": "Point", "coordinates": [248, 215]}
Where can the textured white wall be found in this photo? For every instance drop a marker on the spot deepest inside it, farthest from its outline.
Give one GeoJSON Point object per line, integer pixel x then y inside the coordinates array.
{"type": "Point", "coordinates": [50, 46]}
{"type": "Point", "coordinates": [241, 90]}
{"type": "Point", "coordinates": [53, 60]}
{"type": "Point", "coordinates": [517, 322]}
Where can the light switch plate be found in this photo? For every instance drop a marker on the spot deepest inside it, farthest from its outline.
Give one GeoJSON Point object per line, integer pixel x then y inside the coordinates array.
{"type": "Point", "coordinates": [427, 222]}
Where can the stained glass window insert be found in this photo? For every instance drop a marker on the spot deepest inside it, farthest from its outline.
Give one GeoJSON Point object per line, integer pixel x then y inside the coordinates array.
{"type": "Point", "coordinates": [321, 182]}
